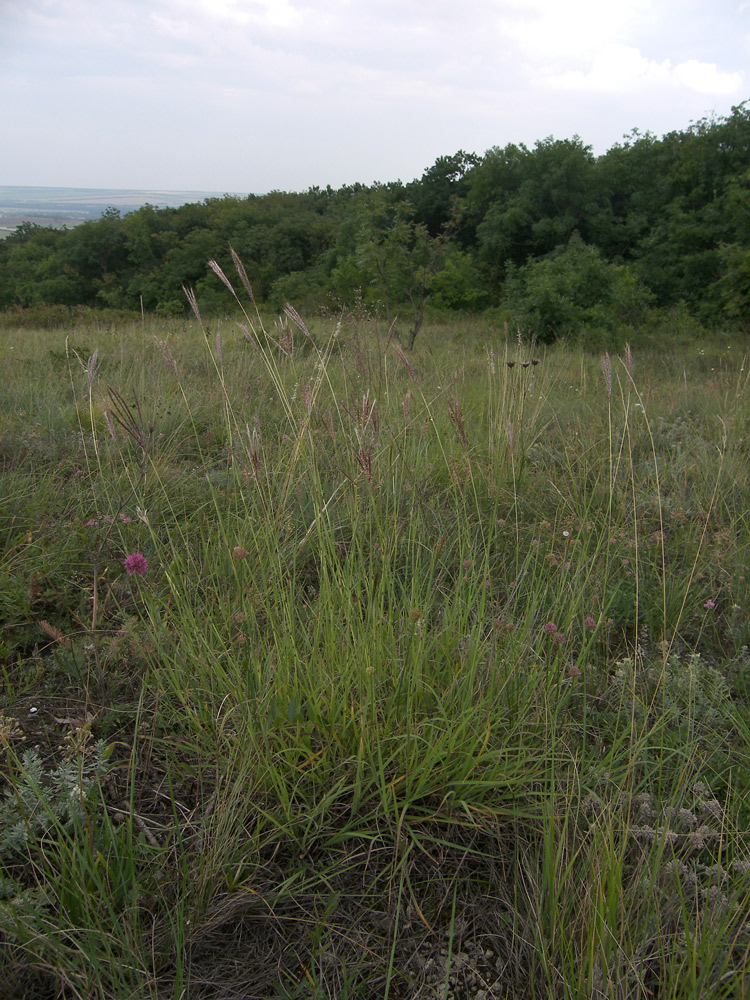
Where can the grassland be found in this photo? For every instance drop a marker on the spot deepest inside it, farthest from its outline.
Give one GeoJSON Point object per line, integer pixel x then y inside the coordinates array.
{"type": "Point", "coordinates": [435, 683]}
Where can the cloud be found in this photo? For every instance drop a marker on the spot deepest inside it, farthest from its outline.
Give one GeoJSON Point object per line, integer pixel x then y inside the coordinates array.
{"type": "Point", "coordinates": [334, 91]}
{"type": "Point", "coordinates": [615, 69]}
{"type": "Point", "coordinates": [707, 78]}
{"type": "Point", "coordinates": [551, 31]}
{"type": "Point", "coordinates": [622, 69]}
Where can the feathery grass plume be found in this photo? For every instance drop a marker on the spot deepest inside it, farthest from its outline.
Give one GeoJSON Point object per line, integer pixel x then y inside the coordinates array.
{"type": "Point", "coordinates": [607, 369]}
{"type": "Point", "coordinates": [407, 406]}
{"type": "Point", "coordinates": [190, 296]}
{"type": "Point", "coordinates": [240, 268]}
{"type": "Point", "coordinates": [454, 411]}
{"type": "Point", "coordinates": [216, 268]}
{"type": "Point", "coordinates": [285, 341]}
{"type": "Point", "coordinates": [295, 317]}
{"type": "Point", "coordinates": [54, 633]}
{"type": "Point", "coordinates": [405, 362]}
{"type": "Point", "coordinates": [110, 425]}
{"type": "Point", "coordinates": [92, 367]}
{"type": "Point", "coordinates": [166, 354]}
{"type": "Point", "coordinates": [629, 361]}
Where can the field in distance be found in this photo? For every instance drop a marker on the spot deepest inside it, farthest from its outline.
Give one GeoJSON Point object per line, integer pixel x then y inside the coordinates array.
{"type": "Point", "coordinates": [58, 207]}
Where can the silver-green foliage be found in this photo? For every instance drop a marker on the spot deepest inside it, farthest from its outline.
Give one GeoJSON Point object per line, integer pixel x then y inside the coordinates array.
{"type": "Point", "coordinates": [687, 690]}
{"type": "Point", "coordinates": [39, 799]}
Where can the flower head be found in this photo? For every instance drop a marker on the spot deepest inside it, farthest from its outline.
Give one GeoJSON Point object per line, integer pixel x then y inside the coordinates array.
{"type": "Point", "coordinates": [710, 604]}
{"type": "Point", "coordinates": [136, 564]}
{"type": "Point", "coordinates": [239, 553]}
{"type": "Point", "coordinates": [550, 628]}
{"type": "Point", "coordinates": [590, 623]}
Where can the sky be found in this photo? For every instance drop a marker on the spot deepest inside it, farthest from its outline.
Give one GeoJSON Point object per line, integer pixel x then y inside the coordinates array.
{"type": "Point", "coordinates": [255, 95]}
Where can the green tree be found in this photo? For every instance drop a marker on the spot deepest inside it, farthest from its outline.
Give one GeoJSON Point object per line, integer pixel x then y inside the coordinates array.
{"type": "Point", "coordinates": [96, 250]}
{"type": "Point", "coordinates": [32, 258]}
{"type": "Point", "coordinates": [400, 259]}
{"type": "Point", "coordinates": [539, 198]}
{"type": "Point", "coordinates": [437, 198]}
{"type": "Point", "coordinates": [458, 285]}
{"type": "Point", "coordinates": [572, 289]}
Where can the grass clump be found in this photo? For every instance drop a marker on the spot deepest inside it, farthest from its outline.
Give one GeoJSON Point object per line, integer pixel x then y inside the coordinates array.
{"type": "Point", "coordinates": [422, 675]}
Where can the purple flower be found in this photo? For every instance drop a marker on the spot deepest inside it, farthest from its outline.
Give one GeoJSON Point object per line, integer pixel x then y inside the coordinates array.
{"type": "Point", "coordinates": [559, 638]}
{"type": "Point", "coordinates": [710, 604]}
{"type": "Point", "coordinates": [550, 628]}
{"type": "Point", "coordinates": [125, 519]}
{"type": "Point", "coordinates": [239, 553]}
{"type": "Point", "coordinates": [136, 564]}
{"type": "Point", "coordinates": [91, 523]}
{"type": "Point", "coordinates": [590, 623]}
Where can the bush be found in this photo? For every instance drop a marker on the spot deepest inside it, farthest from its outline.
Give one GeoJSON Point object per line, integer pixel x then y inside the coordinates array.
{"type": "Point", "coordinates": [574, 289]}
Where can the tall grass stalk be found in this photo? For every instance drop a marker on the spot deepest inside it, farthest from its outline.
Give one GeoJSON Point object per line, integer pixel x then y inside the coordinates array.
{"type": "Point", "coordinates": [433, 685]}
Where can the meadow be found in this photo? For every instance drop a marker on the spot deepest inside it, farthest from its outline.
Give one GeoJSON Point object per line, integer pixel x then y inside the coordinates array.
{"type": "Point", "coordinates": [334, 671]}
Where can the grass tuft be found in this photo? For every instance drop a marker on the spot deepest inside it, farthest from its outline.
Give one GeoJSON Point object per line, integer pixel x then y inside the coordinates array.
{"type": "Point", "coordinates": [333, 673]}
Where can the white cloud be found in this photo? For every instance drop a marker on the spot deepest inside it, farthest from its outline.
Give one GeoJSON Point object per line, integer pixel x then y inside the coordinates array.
{"type": "Point", "coordinates": [616, 69]}
{"type": "Point", "coordinates": [561, 32]}
{"type": "Point", "coordinates": [622, 69]}
{"type": "Point", "coordinates": [707, 78]}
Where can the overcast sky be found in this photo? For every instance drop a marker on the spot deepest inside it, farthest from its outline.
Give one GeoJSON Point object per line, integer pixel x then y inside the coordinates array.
{"type": "Point", "coordinates": [251, 95]}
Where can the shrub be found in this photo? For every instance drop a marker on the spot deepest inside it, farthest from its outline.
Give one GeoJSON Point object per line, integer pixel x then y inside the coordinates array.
{"type": "Point", "coordinates": [572, 289]}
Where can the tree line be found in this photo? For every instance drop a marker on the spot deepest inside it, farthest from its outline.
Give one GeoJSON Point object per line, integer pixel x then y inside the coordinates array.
{"type": "Point", "coordinates": [550, 236]}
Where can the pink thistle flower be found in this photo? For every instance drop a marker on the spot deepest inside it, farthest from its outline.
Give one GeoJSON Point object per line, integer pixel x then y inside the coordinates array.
{"type": "Point", "coordinates": [239, 553]}
{"type": "Point", "coordinates": [710, 604]}
{"type": "Point", "coordinates": [91, 523]}
{"type": "Point", "coordinates": [136, 564]}
{"type": "Point", "coordinates": [590, 623]}
{"type": "Point", "coordinates": [125, 519]}
{"type": "Point", "coordinates": [559, 638]}
{"type": "Point", "coordinates": [550, 628]}
{"type": "Point", "coordinates": [574, 671]}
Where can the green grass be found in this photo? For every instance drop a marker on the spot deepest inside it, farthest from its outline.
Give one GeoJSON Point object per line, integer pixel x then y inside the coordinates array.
{"type": "Point", "coordinates": [436, 683]}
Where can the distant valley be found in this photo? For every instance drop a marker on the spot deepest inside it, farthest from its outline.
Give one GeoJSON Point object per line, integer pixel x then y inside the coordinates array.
{"type": "Point", "coordinates": [58, 207]}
